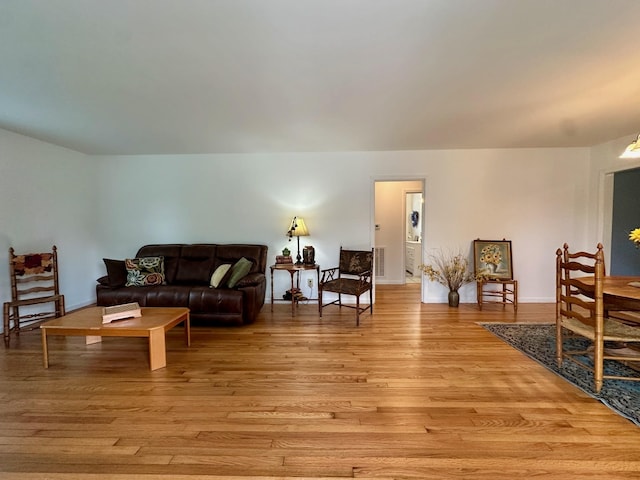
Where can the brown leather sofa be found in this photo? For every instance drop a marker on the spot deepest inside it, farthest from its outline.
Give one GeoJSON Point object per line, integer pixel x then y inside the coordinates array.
{"type": "Point", "coordinates": [188, 270]}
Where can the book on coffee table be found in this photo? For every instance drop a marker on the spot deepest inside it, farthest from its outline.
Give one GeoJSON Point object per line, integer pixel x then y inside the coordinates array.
{"type": "Point", "coordinates": [120, 312]}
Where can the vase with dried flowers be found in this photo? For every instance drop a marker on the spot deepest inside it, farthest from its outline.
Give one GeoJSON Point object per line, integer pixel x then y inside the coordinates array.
{"type": "Point", "coordinates": [450, 269]}
{"type": "Point", "coordinates": [634, 236]}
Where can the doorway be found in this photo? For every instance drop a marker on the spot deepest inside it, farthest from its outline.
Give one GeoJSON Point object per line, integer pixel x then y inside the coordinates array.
{"type": "Point", "coordinates": [624, 254]}
{"type": "Point", "coordinates": [395, 201]}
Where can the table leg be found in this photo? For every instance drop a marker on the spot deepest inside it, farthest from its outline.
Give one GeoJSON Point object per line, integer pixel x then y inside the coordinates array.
{"type": "Point", "coordinates": [293, 298]}
{"type": "Point", "coordinates": [272, 289]}
{"type": "Point", "coordinates": [45, 350]}
{"type": "Point", "coordinates": [157, 349]}
{"type": "Point", "coordinates": [187, 330]}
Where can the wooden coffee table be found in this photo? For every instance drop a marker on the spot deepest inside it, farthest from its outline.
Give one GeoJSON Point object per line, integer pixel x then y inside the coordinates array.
{"type": "Point", "coordinates": [153, 324]}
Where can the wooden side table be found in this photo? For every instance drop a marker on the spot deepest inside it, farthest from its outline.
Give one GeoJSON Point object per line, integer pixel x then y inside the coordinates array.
{"type": "Point", "coordinates": [294, 271]}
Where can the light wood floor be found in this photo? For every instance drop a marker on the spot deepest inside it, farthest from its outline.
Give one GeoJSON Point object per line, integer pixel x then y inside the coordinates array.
{"type": "Point", "coordinates": [417, 391]}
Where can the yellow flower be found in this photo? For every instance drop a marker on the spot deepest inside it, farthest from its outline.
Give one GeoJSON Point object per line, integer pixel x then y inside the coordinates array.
{"type": "Point", "coordinates": [634, 236]}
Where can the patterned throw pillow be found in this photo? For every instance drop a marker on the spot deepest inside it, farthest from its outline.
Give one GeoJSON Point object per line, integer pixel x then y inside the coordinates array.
{"type": "Point", "coordinates": [144, 271]}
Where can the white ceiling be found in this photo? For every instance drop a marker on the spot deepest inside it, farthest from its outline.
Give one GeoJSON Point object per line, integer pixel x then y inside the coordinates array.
{"type": "Point", "coordinates": [205, 76]}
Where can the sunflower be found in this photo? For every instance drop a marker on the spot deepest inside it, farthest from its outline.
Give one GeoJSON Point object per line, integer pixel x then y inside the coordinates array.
{"type": "Point", "coordinates": [634, 236]}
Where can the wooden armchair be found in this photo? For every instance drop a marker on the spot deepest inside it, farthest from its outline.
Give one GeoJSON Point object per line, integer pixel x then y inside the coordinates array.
{"type": "Point", "coordinates": [34, 282]}
{"type": "Point", "coordinates": [353, 276]}
{"type": "Point", "coordinates": [580, 312]}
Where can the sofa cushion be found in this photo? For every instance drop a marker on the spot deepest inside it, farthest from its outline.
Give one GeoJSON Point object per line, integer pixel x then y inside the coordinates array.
{"type": "Point", "coordinates": [231, 253]}
{"type": "Point", "coordinates": [239, 270]}
{"type": "Point", "coordinates": [167, 295]}
{"type": "Point", "coordinates": [215, 301]}
{"type": "Point", "coordinates": [144, 271]}
{"type": "Point", "coordinates": [116, 272]}
{"type": "Point", "coordinates": [196, 264]}
{"type": "Point", "coordinates": [220, 276]}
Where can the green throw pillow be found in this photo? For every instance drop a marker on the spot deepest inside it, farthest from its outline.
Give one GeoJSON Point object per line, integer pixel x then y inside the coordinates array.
{"type": "Point", "coordinates": [239, 270]}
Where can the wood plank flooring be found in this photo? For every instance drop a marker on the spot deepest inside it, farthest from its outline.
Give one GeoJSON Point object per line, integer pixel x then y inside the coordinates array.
{"type": "Point", "coordinates": [417, 391]}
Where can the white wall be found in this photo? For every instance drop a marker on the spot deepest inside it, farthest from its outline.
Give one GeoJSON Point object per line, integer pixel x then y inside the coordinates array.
{"type": "Point", "coordinates": [47, 197]}
{"type": "Point", "coordinates": [235, 198]}
{"type": "Point", "coordinates": [109, 206]}
{"type": "Point", "coordinates": [523, 195]}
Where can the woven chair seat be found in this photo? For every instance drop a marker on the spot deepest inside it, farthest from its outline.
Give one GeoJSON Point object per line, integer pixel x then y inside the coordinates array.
{"type": "Point", "coordinates": [614, 331]}
{"type": "Point", "coordinates": [349, 286]}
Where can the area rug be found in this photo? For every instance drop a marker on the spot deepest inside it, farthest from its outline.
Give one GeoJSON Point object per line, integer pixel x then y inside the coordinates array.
{"type": "Point", "coordinates": [537, 341]}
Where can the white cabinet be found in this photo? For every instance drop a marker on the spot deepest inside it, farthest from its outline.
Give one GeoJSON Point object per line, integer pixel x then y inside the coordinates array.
{"type": "Point", "coordinates": [412, 257]}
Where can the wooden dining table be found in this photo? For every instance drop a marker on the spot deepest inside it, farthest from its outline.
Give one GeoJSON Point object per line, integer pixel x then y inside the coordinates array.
{"type": "Point", "coordinates": [619, 292]}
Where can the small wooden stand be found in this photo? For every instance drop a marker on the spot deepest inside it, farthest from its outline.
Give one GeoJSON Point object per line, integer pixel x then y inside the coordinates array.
{"type": "Point", "coordinates": [506, 292]}
{"type": "Point", "coordinates": [120, 312]}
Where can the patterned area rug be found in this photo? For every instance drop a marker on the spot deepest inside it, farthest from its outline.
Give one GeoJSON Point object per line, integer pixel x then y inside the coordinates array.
{"type": "Point", "coordinates": [537, 341]}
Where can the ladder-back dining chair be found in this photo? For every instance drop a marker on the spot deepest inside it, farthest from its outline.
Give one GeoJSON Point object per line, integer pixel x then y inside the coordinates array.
{"type": "Point", "coordinates": [34, 283]}
{"type": "Point", "coordinates": [580, 312]}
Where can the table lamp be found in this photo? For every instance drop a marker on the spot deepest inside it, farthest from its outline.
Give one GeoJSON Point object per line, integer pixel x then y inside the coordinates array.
{"type": "Point", "coordinates": [298, 229]}
{"type": "Point", "coordinates": [633, 150]}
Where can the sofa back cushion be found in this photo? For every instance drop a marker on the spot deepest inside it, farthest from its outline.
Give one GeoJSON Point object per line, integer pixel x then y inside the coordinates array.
{"type": "Point", "coordinates": [195, 264]}
{"type": "Point", "coordinates": [231, 253]}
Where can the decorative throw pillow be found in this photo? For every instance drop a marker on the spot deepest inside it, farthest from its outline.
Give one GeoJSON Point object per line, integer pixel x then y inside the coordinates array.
{"type": "Point", "coordinates": [116, 272]}
{"type": "Point", "coordinates": [219, 275]}
{"type": "Point", "coordinates": [144, 271]}
{"type": "Point", "coordinates": [239, 270]}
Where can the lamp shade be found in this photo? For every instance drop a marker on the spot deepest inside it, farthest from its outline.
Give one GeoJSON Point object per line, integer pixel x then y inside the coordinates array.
{"type": "Point", "coordinates": [633, 150]}
{"type": "Point", "coordinates": [298, 228]}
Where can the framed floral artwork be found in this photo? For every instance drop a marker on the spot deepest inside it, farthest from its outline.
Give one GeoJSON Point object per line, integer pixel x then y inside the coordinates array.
{"type": "Point", "coordinates": [492, 259]}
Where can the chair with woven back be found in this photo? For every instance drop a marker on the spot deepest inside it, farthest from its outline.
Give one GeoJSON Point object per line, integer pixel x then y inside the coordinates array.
{"type": "Point", "coordinates": [580, 312]}
{"type": "Point", "coordinates": [34, 283]}
{"type": "Point", "coordinates": [353, 276]}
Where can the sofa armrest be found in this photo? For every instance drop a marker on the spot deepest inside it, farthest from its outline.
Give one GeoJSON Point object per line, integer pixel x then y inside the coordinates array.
{"type": "Point", "coordinates": [251, 280]}
{"type": "Point", "coordinates": [254, 289]}
{"type": "Point", "coordinates": [103, 280]}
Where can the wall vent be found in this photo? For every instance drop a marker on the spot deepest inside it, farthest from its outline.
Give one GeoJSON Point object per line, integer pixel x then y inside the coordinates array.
{"type": "Point", "coordinates": [379, 261]}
